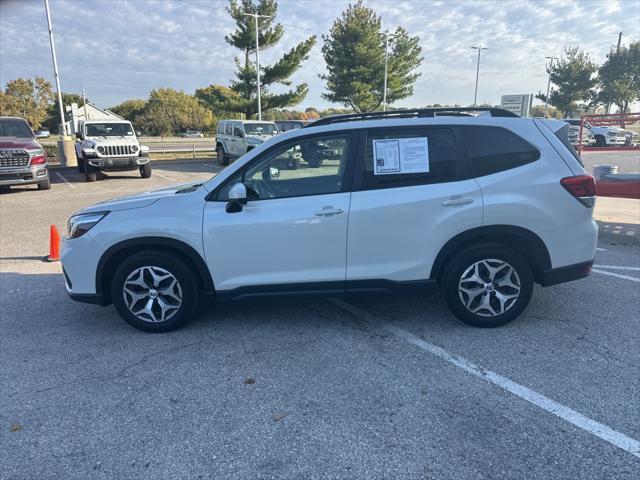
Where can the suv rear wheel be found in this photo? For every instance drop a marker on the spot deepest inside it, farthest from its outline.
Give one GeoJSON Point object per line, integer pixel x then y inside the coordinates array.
{"type": "Point", "coordinates": [155, 292]}
{"type": "Point", "coordinates": [488, 285]}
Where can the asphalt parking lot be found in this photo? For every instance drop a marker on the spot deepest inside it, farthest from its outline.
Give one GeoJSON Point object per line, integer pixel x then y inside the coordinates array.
{"type": "Point", "coordinates": [364, 388]}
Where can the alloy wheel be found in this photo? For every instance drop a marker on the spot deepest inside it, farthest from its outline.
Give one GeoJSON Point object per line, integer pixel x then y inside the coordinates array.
{"type": "Point", "coordinates": [152, 294]}
{"type": "Point", "coordinates": [489, 287]}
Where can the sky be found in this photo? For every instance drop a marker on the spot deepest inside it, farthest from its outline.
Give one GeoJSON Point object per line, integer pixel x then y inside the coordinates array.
{"type": "Point", "coordinates": [122, 49]}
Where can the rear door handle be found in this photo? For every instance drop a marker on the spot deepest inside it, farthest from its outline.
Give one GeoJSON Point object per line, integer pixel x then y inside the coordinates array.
{"type": "Point", "coordinates": [328, 211]}
{"type": "Point", "coordinates": [453, 201]}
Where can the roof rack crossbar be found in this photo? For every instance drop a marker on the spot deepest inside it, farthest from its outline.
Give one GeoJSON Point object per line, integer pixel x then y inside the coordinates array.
{"type": "Point", "coordinates": [412, 113]}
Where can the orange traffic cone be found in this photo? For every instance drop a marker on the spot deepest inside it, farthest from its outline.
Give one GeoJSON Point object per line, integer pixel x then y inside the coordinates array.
{"type": "Point", "coordinates": [54, 244]}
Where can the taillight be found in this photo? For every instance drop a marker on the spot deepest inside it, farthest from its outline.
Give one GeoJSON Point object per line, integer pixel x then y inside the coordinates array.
{"type": "Point", "coordinates": [582, 187]}
{"type": "Point", "coordinates": [38, 160]}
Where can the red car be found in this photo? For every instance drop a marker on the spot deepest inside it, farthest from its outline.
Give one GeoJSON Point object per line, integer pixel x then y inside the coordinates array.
{"type": "Point", "coordinates": [23, 161]}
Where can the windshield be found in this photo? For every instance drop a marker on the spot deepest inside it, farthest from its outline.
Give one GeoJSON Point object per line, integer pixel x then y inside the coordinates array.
{"type": "Point", "coordinates": [108, 129]}
{"type": "Point", "coordinates": [260, 128]}
{"type": "Point", "coordinates": [14, 127]}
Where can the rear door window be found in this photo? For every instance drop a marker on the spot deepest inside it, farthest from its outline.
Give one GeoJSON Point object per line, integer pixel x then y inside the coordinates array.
{"type": "Point", "coordinates": [229, 129]}
{"type": "Point", "coordinates": [495, 149]}
{"type": "Point", "coordinates": [441, 156]}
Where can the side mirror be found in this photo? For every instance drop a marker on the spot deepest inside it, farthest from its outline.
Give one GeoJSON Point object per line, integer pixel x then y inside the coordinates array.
{"type": "Point", "coordinates": [237, 198]}
{"type": "Point", "coordinates": [79, 135]}
{"type": "Point", "coordinates": [274, 173]}
{"type": "Point", "coordinates": [241, 134]}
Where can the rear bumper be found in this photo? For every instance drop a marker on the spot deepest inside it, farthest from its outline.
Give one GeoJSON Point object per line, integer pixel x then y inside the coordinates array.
{"type": "Point", "coordinates": [566, 274]}
{"type": "Point", "coordinates": [23, 175]}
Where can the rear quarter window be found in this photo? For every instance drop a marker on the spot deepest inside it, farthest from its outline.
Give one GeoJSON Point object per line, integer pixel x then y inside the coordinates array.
{"type": "Point", "coordinates": [496, 149]}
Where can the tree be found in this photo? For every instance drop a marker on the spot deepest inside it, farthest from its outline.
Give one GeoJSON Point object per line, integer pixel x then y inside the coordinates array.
{"type": "Point", "coordinates": [169, 111]}
{"type": "Point", "coordinates": [574, 78]}
{"type": "Point", "coordinates": [619, 78]}
{"type": "Point", "coordinates": [52, 122]}
{"type": "Point", "coordinates": [132, 110]}
{"type": "Point", "coordinates": [354, 52]}
{"type": "Point", "coordinates": [243, 98]}
{"type": "Point", "coordinates": [28, 99]}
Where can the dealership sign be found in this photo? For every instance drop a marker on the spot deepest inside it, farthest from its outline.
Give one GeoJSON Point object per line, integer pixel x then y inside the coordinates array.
{"type": "Point", "coordinates": [518, 104]}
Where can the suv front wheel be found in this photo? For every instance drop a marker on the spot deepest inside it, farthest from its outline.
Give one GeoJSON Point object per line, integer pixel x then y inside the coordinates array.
{"type": "Point", "coordinates": [155, 292]}
{"type": "Point", "coordinates": [488, 285]}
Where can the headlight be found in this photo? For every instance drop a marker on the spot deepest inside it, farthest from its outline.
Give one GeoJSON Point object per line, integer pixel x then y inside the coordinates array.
{"type": "Point", "coordinates": [80, 224]}
{"type": "Point", "coordinates": [100, 149]}
{"type": "Point", "coordinates": [134, 148]}
{"type": "Point", "coordinates": [611, 133]}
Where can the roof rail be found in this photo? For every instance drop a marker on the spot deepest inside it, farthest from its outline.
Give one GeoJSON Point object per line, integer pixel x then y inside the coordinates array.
{"type": "Point", "coordinates": [412, 113]}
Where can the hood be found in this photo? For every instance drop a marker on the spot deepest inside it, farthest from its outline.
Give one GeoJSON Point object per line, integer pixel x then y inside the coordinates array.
{"type": "Point", "coordinates": [14, 142]}
{"type": "Point", "coordinates": [121, 140]}
{"type": "Point", "coordinates": [140, 200]}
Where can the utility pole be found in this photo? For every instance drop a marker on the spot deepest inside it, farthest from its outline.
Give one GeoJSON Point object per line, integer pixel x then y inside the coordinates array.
{"type": "Point", "coordinates": [84, 103]}
{"type": "Point", "coordinates": [55, 68]}
{"type": "Point", "coordinates": [255, 17]}
{"type": "Point", "coordinates": [386, 68]}
{"type": "Point", "coordinates": [619, 42]}
{"type": "Point", "coordinates": [546, 99]}
{"type": "Point", "coordinates": [479, 48]}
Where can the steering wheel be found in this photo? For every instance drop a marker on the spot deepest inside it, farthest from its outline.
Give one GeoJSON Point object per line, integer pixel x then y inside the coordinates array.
{"type": "Point", "coordinates": [262, 189]}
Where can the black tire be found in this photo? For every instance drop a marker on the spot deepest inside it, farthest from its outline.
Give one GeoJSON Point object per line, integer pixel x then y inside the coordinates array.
{"type": "Point", "coordinates": [90, 174]}
{"type": "Point", "coordinates": [178, 269]}
{"type": "Point", "coordinates": [81, 165]}
{"type": "Point", "coordinates": [600, 141]}
{"type": "Point", "coordinates": [145, 170]}
{"type": "Point", "coordinates": [316, 160]}
{"type": "Point", "coordinates": [45, 184]}
{"type": "Point", "coordinates": [223, 158]}
{"type": "Point", "coordinates": [456, 268]}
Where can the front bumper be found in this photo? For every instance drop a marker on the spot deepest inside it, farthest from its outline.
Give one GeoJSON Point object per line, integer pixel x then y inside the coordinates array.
{"type": "Point", "coordinates": [23, 175]}
{"type": "Point", "coordinates": [117, 163]}
{"type": "Point", "coordinates": [616, 140]}
{"type": "Point", "coordinates": [79, 258]}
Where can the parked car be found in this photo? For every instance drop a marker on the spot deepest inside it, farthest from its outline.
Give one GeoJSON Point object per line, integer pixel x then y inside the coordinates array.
{"type": "Point", "coordinates": [236, 137]}
{"type": "Point", "coordinates": [483, 207]}
{"type": "Point", "coordinates": [43, 133]}
{"type": "Point", "coordinates": [286, 125]}
{"type": "Point", "coordinates": [192, 134]}
{"type": "Point", "coordinates": [23, 161]}
{"type": "Point", "coordinates": [110, 145]}
{"type": "Point", "coordinates": [605, 136]}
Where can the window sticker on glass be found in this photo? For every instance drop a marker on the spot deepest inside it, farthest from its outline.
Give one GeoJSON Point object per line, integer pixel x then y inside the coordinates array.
{"type": "Point", "coordinates": [402, 155]}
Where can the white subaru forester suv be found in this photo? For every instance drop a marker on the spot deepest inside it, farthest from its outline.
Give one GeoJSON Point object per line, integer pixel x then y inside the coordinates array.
{"type": "Point", "coordinates": [481, 205]}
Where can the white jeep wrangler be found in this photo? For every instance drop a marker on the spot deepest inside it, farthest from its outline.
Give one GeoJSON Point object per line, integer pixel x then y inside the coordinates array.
{"type": "Point", "coordinates": [110, 145]}
{"type": "Point", "coordinates": [234, 138]}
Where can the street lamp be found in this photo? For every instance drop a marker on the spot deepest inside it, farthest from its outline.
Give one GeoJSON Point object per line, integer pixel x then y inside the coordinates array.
{"type": "Point", "coordinates": [479, 48]}
{"type": "Point", "coordinates": [546, 99]}
{"type": "Point", "coordinates": [386, 68]}
{"type": "Point", "coordinates": [255, 17]}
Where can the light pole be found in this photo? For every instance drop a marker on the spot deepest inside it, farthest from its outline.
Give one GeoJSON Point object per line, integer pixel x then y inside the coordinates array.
{"type": "Point", "coordinates": [55, 68]}
{"type": "Point", "coordinates": [546, 99]}
{"type": "Point", "coordinates": [479, 48]}
{"type": "Point", "coordinates": [255, 17]}
{"type": "Point", "coordinates": [386, 68]}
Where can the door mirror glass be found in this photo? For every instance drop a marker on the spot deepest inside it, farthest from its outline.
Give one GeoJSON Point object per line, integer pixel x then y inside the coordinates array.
{"type": "Point", "coordinates": [79, 135]}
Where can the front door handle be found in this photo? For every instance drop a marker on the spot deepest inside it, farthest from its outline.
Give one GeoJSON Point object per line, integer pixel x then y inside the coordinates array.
{"type": "Point", "coordinates": [328, 211]}
{"type": "Point", "coordinates": [453, 201]}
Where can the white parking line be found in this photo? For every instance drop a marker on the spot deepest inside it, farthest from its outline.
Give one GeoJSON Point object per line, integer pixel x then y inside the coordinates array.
{"type": "Point", "coordinates": [162, 176]}
{"type": "Point", "coordinates": [618, 267]}
{"type": "Point", "coordinates": [69, 184]}
{"type": "Point", "coordinates": [617, 275]}
{"type": "Point", "coordinates": [598, 429]}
